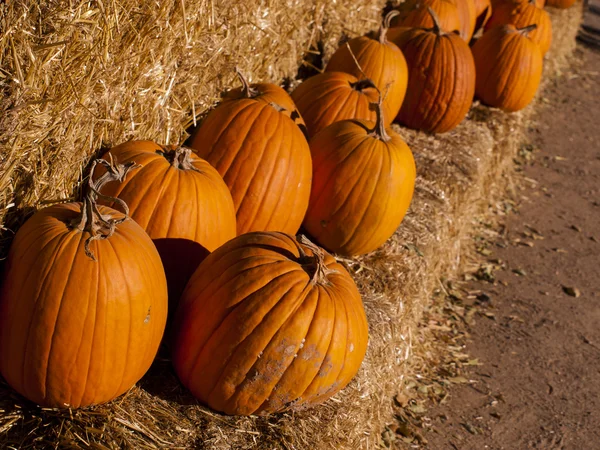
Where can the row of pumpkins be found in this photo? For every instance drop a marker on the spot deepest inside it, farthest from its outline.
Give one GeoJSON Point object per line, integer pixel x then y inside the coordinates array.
{"type": "Point", "coordinates": [260, 320]}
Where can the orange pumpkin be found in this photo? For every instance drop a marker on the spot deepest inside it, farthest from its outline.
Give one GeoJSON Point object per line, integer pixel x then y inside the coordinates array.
{"type": "Point", "coordinates": [180, 200]}
{"type": "Point", "coordinates": [83, 305]}
{"type": "Point", "coordinates": [521, 14]}
{"type": "Point", "coordinates": [441, 78]}
{"type": "Point", "coordinates": [483, 11]}
{"type": "Point", "coordinates": [264, 159]}
{"type": "Point", "coordinates": [363, 182]}
{"type": "Point", "coordinates": [415, 14]}
{"type": "Point", "coordinates": [379, 60]}
{"type": "Point", "coordinates": [509, 67]}
{"type": "Point", "coordinates": [333, 96]}
{"type": "Point", "coordinates": [560, 4]}
{"type": "Point", "coordinates": [268, 323]}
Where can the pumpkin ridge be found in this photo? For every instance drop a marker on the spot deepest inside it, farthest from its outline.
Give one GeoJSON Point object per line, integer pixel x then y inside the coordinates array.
{"type": "Point", "coordinates": [303, 295]}
{"type": "Point", "coordinates": [386, 162]}
{"type": "Point", "coordinates": [127, 349]}
{"type": "Point", "coordinates": [164, 184]}
{"type": "Point", "coordinates": [267, 148]}
{"type": "Point", "coordinates": [68, 243]}
{"type": "Point", "coordinates": [91, 352]}
{"type": "Point", "coordinates": [372, 155]}
{"type": "Point", "coordinates": [445, 117]}
{"type": "Point", "coordinates": [524, 91]}
{"type": "Point", "coordinates": [287, 173]}
{"type": "Point", "coordinates": [223, 127]}
{"type": "Point", "coordinates": [177, 180]}
{"type": "Point", "coordinates": [315, 395]}
{"type": "Point", "coordinates": [348, 155]}
{"type": "Point", "coordinates": [56, 253]}
{"type": "Point", "coordinates": [425, 100]}
{"type": "Point", "coordinates": [234, 350]}
{"type": "Point", "coordinates": [507, 90]}
{"type": "Point", "coordinates": [301, 351]}
{"type": "Point", "coordinates": [201, 348]}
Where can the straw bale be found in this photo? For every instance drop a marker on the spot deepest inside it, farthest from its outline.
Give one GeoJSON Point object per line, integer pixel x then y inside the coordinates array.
{"type": "Point", "coordinates": [80, 76]}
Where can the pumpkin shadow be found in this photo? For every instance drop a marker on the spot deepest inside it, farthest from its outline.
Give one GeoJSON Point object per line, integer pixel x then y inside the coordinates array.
{"type": "Point", "coordinates": [180, 258]}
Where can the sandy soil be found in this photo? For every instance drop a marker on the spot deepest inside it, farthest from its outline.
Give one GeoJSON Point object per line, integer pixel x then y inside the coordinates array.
{"type": "Point", "coordinates": [537, 334]}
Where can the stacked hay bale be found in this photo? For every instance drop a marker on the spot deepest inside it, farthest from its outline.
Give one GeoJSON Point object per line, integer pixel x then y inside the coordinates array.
{"type": "Point", "coordinates": [80, 77]}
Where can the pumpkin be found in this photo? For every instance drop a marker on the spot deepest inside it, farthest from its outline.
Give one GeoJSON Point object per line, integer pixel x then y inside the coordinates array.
{"type": "Point", "coordinates": [83, 305]}
{"type": "Point", "coordinates": [268, 93]}
{"type": "Point", "coordinates": [363, 182]}
{"type": "Point", "coordinates": [268, 323]}
{"type": "Point", "coordinates": [333, 96]}
{"type": "Point", "coordinates": [180, 200]}
{"type": "Point", "coordinates": [415, 14]}
{"type": "Point", "coordinates": [263, 158]}
{"type": "Point", "coordinates": [521, 14]}
{"type": "Point", "coordinates": [509, 67]}
{"type": "Point", "coordinates": [379, 60]}
{"type": "Point", "coordinates": [560, 4]}
{"type": "Point", "coordinates": [441, 78]}
{"type": "Point", "coordinates": [483, 11]}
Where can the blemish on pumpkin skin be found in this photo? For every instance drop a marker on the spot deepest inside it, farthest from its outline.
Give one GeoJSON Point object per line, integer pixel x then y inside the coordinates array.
{"type": "Point", "coordinates": [147, 319]}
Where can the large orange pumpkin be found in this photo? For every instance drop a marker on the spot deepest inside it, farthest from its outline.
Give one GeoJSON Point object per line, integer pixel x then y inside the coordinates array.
{"type": "Point", "coordinates": [441, 78]}
{"type": "Point", "coordinates": [509, 67]}
{"type": "Point", "coordinates": [264, 159]}
{"type": "Point", "coordinates": [415, 14]}
{"type": "Point", "coordinates": [268, 323]}
{"type": "Point", "coordinates": [380, 60]}
{"type": "Point", "coordinates": [521, 14]}
{"type": "Point", "coordinates": [333, 96]}
{"type": "Point", "coordinates": [180, 200]}
{"type": "Point", "coordinates": [83, 305]}
{"type": "Point", "coordinates": [363, 182]}
{"type": "Point", "coordinates": [560, 4]}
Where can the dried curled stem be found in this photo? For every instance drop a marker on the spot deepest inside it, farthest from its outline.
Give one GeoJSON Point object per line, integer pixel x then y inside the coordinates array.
{"type": "Point", "coordinates": [437, 28]}
{"type": "Point", "coordinates": [90, 219]}
{"type": "Point", "coordinates": [316, 262]}
{"type": "Point", "coordinates": [179, 157]}
{"type": "Point", "coordinates": [526, 30]}
{"type": "Point", "coordinates": [386, 24]}
{"type": "Point", "coordinates": [249, 91]}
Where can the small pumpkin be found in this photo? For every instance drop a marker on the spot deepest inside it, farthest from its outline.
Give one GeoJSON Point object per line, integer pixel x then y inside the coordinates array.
{"type": "Point", "coordinates": [83, 305]}
{"type": "Point", "coordinates": [180, 200]}
{"type": "Point", "coordinates": [520, 14]}
{"type": "Point", "coordinates": [483, 11]}
{"type": "Point", "coordinates": [363, 182]}
{"type": "Point", "coordinates": [379, 60]}
{"type": "Point", "coordinates": [268, 323]}
{"type": "Point", "coordinates": [264, 159]}
{"type": "Point", "coordinates": [333, 96]}
{"type": "Point", "coordinates": [415, 14]}
{"type": "Point", "coordinates": [560, 4]}
{"type": "Point", "coordinates": [441, 78]}
{"type": "Point", "coordinates": [509, 67]}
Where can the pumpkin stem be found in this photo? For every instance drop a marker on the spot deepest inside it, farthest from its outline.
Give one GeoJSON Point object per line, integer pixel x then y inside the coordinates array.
{"type": "Point", "coordinates": [316, 262]}
{"type": "Point", "coordinates": [437, 28]}
{"type": "Point", "coordinates": [90, 219]}
{"type": "Point", "coordinates": [386, 24]}
{"type": "Point", "coordinates": [378, 130]}
{"type": "Point", "coordinates": [248, 91]}
{"type": "Point", "coordinates": [526, 30]}
{"type": "Point", "coordinates": [179, 157]}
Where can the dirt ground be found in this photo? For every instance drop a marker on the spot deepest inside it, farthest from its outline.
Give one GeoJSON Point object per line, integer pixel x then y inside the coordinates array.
{"type": "Point", "coordinates": [537, 335]}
